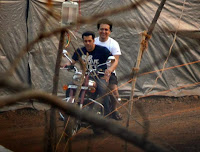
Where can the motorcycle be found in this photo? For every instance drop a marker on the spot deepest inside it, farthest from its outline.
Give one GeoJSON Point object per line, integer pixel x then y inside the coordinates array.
{"type": "Point", "coordinates": [86, 99]}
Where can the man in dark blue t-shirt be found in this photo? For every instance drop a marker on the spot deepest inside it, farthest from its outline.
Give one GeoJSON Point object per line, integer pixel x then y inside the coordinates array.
{"type": "Point", "coordinates": [96, 55]}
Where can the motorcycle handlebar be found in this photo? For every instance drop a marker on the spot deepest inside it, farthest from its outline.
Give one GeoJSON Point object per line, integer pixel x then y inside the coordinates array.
{"type": "Point", "coordinates": [69, 67]}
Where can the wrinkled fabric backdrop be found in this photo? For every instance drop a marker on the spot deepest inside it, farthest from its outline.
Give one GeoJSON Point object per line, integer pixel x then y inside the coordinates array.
{"type": "Point", "coordinates": [21, 21]}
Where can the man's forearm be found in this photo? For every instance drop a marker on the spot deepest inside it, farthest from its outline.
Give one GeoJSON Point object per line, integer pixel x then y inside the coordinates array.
{"type": "Point", "coordinates": [114, 64]}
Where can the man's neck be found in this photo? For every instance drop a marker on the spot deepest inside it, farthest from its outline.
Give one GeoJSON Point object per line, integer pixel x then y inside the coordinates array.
{"type": "Point", "coordinates": [91, 49]}
{"type": "Point", "coordinates": [103, 40]}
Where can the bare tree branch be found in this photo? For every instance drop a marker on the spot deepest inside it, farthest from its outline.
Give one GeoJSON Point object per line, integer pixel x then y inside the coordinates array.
{"type": "Point", "coordinates": [6, 82]}
{"type": "Point", "coordinates": [95, 120]}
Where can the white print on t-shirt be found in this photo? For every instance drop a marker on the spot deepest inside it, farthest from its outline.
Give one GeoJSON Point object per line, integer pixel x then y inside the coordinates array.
{"type": "Point", "coordinates": [92, 64]}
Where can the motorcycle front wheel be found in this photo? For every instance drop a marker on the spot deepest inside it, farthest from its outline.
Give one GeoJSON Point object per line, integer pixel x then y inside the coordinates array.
{"type": "Point", "coordinates": [98, 111]}
{"type": "Point", "coordinates": [71, 126]}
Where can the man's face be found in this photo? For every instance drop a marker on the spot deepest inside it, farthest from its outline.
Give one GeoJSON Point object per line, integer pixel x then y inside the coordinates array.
{"type": "Point", "coordinates": [104, 31]}
{"type": "Point", "coordinates": [89, 43]}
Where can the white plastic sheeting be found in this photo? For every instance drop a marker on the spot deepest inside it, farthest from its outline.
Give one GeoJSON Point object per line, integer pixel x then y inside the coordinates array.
{"type": "Point", "coordinates": [21, 21]}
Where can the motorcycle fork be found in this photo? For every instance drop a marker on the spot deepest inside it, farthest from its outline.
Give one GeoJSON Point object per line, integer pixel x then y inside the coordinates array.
{"type": "Point", "coordinates": [84, 91]}
{"type": "Point", "coordinates": [71, 94]}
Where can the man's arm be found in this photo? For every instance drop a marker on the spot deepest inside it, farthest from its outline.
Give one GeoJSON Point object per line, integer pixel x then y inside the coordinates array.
{"type": "Point", "coordinates": [113, 64]}
{"type": "Point", "coordinates": [115, 50]}
{"type": "Point", "coordinates": [111, 68]}
{"type": "Point", "coordinates": [68, 63]}
{"type": "Point", "coordinates": [73, 62]}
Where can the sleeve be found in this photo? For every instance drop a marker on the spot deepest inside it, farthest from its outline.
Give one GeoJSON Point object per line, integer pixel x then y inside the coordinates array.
{"type": "Point", "coordinates": [115, 49]}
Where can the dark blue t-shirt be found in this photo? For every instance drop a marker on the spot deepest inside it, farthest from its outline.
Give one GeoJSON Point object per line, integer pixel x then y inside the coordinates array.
{"type": "Point", "coordinates": [98, 56]}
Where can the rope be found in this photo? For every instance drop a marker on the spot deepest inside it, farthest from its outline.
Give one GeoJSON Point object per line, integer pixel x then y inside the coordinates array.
{"type": "Point", "coordinates": [170, 50]}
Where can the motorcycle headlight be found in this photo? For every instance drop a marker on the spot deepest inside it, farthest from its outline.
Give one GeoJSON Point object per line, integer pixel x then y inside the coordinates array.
{"type": "Point", "coordinates": [92, 86]}
{"type": "Point", "coordinates": [77, 78]}
{"type": "Point", "coordinates": [92, 83]}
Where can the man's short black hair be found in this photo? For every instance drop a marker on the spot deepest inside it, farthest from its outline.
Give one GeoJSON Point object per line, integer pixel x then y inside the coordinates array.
{"type": "Point", "coordinates": [104, 21]}
{"type": "Point", "coordinates": [88, 33]}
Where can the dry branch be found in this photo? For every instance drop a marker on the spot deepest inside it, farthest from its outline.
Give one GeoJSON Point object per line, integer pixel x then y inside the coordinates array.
{"type": "Point", "coordinates": [95, 120]}
{"type": "Point", "coordinates": [7, 83]}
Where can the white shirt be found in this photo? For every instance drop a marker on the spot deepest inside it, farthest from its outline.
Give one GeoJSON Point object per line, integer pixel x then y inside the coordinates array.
{"type": "Point", "coordinates": [111, 45]}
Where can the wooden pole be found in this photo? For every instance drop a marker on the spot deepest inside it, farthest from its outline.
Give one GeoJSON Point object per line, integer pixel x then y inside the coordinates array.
{"type": "Point", "coordinates": [51, 126]}
{"type": "Point", "coordinates": [143, 46]}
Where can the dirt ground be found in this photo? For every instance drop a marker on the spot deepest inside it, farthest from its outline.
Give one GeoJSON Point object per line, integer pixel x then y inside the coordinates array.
{"type": "Point", "coordinates": [174, 124]}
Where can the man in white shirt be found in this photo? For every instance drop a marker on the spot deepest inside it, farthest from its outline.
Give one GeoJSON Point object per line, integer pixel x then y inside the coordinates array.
{"type": "Point", "coordinates": [104, 27]}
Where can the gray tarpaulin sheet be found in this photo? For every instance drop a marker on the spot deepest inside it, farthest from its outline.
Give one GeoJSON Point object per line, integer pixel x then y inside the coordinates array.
{"type": "Point", "coordinates": [21, 21]}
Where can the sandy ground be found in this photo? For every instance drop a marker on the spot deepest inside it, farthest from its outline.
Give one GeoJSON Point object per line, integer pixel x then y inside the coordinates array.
{"type": "Point", "coordinates": [174, 124]}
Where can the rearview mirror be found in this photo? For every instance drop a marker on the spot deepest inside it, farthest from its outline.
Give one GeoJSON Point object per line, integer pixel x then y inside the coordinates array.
{"type": "Point", "coordinates": [65, 51]}
{"type": "Point", "coordinates": [66, 54]}
{"type": "Point", "coordinates": [111, 59]}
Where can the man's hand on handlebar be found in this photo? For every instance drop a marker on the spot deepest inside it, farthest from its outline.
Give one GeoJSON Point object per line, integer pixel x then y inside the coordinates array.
{"type": "Point", "coordinates": [69, 67]}
{"type": "Point", "coordinates": [107, 75]}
